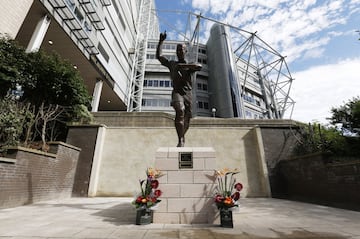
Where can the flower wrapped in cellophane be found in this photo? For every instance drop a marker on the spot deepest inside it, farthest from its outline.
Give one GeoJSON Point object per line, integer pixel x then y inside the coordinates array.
{"type": "Point", "coordinates": [150, 191]}
{"type": "Point", "coordinates": [228, 190]}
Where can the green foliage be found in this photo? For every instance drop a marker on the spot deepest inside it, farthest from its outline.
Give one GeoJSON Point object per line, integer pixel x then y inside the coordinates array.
{"type": "Point", "coordinates": [13, 65]}
{"type": "Point", "coordinates": [56, 81]}
{"type": "Point", "coordinates": [45, 79]}
{"type": "Point", "coordinates": [348, 115]}
{"type": "Point", "coordinates": [15, 120]}
{"type": "Point", "coordinates": [316, 138]}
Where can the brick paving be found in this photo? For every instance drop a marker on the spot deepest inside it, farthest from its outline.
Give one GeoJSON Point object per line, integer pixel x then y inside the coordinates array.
{"type": "Point", "coordinates": [110, 217]}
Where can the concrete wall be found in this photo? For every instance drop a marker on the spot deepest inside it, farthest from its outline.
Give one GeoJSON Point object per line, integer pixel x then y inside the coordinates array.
{"type": "Point", "coordinates": [29, 176]}
{"type": "Point", "coordinates": [127, 143]}
{"type": "Point", "coordinates": [127, 152]}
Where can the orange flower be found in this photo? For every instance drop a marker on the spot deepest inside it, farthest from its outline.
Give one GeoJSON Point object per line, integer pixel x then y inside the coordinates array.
{"type": "Point", "coordinates": [228, 200]}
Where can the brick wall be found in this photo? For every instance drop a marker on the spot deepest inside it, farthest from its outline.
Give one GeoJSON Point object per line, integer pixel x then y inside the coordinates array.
{"type": "Point", "coordinates": [311, 179]}
{"type": "Point", "coordinates": [83, 137]}
{"type": "Point", "coordinates": [29, 176]}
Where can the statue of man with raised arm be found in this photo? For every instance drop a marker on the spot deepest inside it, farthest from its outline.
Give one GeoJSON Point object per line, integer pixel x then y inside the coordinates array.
{"type": "Point", "coordinates": [181, 98]}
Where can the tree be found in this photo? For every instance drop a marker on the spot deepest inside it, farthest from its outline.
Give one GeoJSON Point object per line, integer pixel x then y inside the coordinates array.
{"type": "Point", "coordinates": [14, 65]}
{"type": "Point", "coordinates": [46, 81]}
{"type": "Point", "coordinates": [348, 115]}
{"type": "Point", "coordinates": [313, 138]}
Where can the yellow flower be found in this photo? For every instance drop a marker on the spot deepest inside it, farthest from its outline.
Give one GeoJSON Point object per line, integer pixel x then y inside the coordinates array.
{"type": "Point", "coordinates": [152, 172]}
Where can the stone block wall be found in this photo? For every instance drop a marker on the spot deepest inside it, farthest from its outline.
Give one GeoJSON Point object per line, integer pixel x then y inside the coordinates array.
{"type": "Point", "coordinates": [187, 192]}
{"type": "Point", "coordinates": [29, 176]}
{"type": "Point", "coordinates": [311, 178]}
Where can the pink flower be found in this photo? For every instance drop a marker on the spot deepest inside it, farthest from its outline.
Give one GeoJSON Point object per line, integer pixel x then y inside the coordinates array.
{"type": "Point", "coordinates": [219, 198]}
{"type": "Point", "coordinates": [238, 187]}
{"type": "Point", "coordinates": [157, 193]}
{"type": "Point", "coordinates": [235, 196]}
{"type": "Point", "coordinates": [154, 184]}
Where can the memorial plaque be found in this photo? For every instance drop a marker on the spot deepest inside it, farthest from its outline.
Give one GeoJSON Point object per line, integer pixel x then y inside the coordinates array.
{"type": "Point", "coordinates": [185, 160]}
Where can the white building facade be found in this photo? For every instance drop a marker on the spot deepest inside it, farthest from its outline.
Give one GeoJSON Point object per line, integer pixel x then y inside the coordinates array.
{"type": "Point", "coordinates": [112, 43]}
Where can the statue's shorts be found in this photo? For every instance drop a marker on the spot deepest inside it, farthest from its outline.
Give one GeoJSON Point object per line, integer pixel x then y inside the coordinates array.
{"type": "Point", "coordinates": [182, 102]}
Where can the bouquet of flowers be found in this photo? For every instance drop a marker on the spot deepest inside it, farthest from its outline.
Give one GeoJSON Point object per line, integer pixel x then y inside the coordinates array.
{"type": "Point", "coordinates": [228, 191]}
{"type": "Point", "coordinates": [150, 193]}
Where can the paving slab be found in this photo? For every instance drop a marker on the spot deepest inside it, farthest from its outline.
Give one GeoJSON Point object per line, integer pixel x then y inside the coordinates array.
{"type": "Point", "coordinates": [111, 217]}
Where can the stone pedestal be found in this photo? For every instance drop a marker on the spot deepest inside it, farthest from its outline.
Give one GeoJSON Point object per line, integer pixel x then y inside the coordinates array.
{"type": "Point", "coordinates": [188, 185]}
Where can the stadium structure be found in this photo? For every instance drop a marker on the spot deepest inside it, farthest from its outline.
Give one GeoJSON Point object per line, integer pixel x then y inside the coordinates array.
{"type": "Point", "coordinates": [112, 44]}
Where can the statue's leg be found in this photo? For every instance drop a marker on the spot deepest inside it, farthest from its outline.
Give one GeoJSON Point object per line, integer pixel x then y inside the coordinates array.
{"type": "Point", "coordinates": [179, 108]}
{"type": "Point", "coordinates": [188, 112]}
{"type": "Point", "coordinates": [186, 122]}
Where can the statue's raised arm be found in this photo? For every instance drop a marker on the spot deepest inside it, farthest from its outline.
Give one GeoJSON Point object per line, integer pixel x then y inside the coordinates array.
{"type": "Point", "coordinates": [159, 55]}
{"type": "Point", "coordinates": [190, 66]}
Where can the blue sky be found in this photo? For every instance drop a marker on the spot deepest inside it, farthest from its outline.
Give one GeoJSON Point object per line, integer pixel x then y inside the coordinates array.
{"type": "Point", "coordinates": [318, 38]}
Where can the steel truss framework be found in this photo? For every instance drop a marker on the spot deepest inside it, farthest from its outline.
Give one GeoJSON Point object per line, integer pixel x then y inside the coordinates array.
{"type": "Point", "coordinates": [271, 66]}
{"type": "Point", "coordinates": [135, 86]}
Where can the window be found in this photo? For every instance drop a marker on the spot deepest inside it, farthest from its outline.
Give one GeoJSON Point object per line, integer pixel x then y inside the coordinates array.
{"type": "Point", "coordinates": [205, 87]}
{"type": "Point", "coordinates": [103, 52]}
{"type": "Point", "coordinates": [202, 86]}
{"type": "Point", "coordinates": [248, 114]}
{"type": "Point", "coordinates": [203, 105]}
{"type": "Point", "coordinates": [122, 22]}
{"type": "Point", "coordinates": [152, 45]}
{"type": "Point", "coordinates": [87, 26]}
{"type": "Point", "coordinates": [78, 14]}
{"type": "Point", "coordinates": [71, 4]}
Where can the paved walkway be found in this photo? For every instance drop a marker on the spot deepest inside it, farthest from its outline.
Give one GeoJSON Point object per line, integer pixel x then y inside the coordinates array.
{"type": "Point", "coordinates": [259, 218]}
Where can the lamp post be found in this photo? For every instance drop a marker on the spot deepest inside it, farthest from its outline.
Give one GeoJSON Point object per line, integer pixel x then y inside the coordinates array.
{"type": "Point", "coordinates": [213, 110]}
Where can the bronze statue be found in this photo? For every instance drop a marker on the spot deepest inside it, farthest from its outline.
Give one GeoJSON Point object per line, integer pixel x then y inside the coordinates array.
{"type": "Point", "coordinates": [181, 97]}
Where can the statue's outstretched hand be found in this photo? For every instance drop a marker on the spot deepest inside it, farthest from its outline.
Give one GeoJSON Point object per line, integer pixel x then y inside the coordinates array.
{"type": "Point", "coordinates": [163, 36]}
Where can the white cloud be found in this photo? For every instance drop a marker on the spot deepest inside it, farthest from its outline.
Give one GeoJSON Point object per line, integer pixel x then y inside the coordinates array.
{"type": "Point", "coordinates": [318, 89]}
{"type": "Point", "coordinates": [291, 27]}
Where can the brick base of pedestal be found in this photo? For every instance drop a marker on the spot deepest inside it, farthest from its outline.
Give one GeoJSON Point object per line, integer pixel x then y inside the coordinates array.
{"type": "Point", "coordinates": [187, 192]}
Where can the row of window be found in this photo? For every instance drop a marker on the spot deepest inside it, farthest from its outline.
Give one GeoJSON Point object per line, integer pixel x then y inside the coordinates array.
{"type": "Point", "coordinates": [169, 57]}
{"type": "Point", "coordinates": [254, 79]}
{"type": "Point", "coordinates": [172, 46]}
{"type": "Point", "coordinates": [79, 15]}
{"type": "Point", "coordinates": [174, 58]}
{"type": "Point", "coordinates": [251, 100]}
{"type": "Point", "coordinates": [166, 103]}
{"type": "Point", "coordinates": [168, 83]}
{"type": "Point", "coordinates": [253, 115]}
{"type": "Point", "coordinates": [156, 102]}
{"type": "Point", "coordinates": [164, 46]}
{"type": "Point", "coordinates": [157, 83]}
